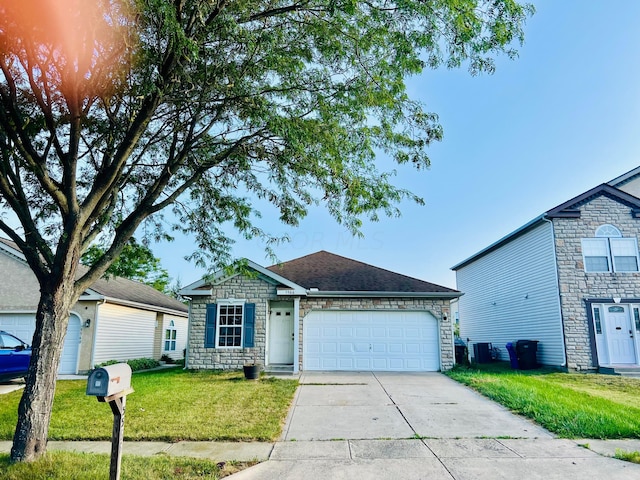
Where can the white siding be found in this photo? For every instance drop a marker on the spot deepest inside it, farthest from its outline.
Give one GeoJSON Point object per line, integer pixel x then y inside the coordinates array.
{"type": "Point", "coordinates": [511, 294]}
{"type": "Point", "coordinates": [123, 333]}
{"type": "Point", "coordinates": [181, 326]}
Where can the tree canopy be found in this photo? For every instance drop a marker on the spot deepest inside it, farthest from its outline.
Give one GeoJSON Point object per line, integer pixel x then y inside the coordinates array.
{"type": "Point", "coordinates": [136, 262]}
{"type": "Point", "coordinates": [115, 111]}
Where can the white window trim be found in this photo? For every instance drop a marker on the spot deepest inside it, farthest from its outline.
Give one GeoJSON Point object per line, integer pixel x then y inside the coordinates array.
{"type": "Point", "coordinates": [228, 303]}
{"type": "Point", "coordinates": [611, 258]}
{"type": "Point", "coordinates": [173, 337]}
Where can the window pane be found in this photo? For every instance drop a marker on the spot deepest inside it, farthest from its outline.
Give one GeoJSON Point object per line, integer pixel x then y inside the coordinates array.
{"type": "Point", "coordinates": [595, 247]}
{"type": "Point", "coordinates": [167, 345]}
{"type": "Point", "coordinates": [167, 334]}
{"type": "Point", "coordinates": [596, 264]}
{"type": "Point", "coordinates": [636, 317]}
{"type": "Point", "coordinates": [596, 319]}
{"type": "Point", "coordinates": [625, 264]}
{"type": "Point", "coordinates": [173, 334]}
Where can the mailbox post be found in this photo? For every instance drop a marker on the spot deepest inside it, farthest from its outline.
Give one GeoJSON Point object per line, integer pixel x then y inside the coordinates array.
{"type": "Point", "coordinates": [112, 384]}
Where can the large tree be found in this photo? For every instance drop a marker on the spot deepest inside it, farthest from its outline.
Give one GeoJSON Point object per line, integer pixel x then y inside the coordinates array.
{"type": "Point", "coordinates": [135, 261]}
{"type": "Point", "coordinates": [114, 111]}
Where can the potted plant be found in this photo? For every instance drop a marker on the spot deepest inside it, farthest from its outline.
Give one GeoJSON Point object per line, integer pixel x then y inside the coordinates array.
{"type": "Point", "coordinates": [252, 370]}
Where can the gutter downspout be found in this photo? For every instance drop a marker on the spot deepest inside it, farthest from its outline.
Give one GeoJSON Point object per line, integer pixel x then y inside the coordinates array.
{"type": "Point", "coordinates": [555, 271]}
{"type": "Point", "coordinates": [186, 345]}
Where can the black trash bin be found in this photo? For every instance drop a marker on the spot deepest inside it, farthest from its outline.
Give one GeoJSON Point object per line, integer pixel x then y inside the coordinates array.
{"type": "Point", "coordinates": [513, 356]}
{"type": "Point", "coordinates": [526, 351]}
{"type": "Point", "coordinates": [482, 352]}
{"type": "Point", "coordinates": [462, 357]}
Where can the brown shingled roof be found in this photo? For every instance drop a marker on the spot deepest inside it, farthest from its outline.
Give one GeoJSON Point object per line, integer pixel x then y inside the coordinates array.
{"type": "Point", "coordinates": [123, 289]}
{"type": "Point", "coordinates": [332, 273]}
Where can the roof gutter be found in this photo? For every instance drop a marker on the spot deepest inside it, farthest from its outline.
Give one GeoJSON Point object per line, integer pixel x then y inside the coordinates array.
{"type": "Point", "coordinates": [320, 293]}
{"type": "Point", "coordinates": [145, 306]}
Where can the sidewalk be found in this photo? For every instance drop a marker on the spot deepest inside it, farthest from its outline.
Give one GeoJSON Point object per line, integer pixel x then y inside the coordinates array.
{"type": "Point", "coordinates": [343, 449]}
{"type": "Point", "coordinates": [216, 451]}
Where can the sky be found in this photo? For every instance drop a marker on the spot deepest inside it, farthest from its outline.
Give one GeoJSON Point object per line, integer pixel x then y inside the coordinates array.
{"type": "Point", "coordinates": [562, 118]}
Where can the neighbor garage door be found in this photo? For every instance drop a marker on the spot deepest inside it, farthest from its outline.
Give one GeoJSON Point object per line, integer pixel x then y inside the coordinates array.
{"type": "Point", "coordinates": [22, 325]}
{"type": "Point", "coordinates": [371, 340]}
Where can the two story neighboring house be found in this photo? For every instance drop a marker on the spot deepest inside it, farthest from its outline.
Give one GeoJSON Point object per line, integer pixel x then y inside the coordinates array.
{"type": "Point", "coordinates": [569, 279]}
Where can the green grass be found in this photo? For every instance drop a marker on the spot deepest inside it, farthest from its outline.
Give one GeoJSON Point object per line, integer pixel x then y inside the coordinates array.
{"type": "Point", "coordinates": [633, 457]}
{"type": "Point", "coordinates": [87, 466]}
{"type": "Point", "coordinates": [169, 405]}
{"type": "Point", "coordinates": [569, 405]}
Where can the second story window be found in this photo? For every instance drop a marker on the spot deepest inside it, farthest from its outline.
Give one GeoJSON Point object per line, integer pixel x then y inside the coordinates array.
{"type": "Point", "coordinates": [609, 252]}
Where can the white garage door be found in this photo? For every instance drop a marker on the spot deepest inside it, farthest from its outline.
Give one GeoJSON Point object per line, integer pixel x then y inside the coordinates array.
{"type": "Point", "coordinates": [22, 325]}
{"type": "Point", "coordinates": [371, 340]}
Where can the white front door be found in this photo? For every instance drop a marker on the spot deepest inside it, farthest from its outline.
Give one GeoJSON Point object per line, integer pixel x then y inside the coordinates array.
{"type": "Point", "coordinates": [619, 335]}
{"type": "Point", "coordinates": [281, 336]}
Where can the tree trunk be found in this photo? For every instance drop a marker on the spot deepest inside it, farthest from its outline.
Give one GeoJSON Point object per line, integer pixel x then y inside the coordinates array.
{"type": "Point", "coordinates": [34, 412]}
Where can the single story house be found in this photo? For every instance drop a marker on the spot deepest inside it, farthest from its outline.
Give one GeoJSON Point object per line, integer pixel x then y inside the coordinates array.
{"type": "Point", "coordinates": [569, 279]}
{"type": "Point", "coordinates": [116, 319]}
{"type": "Point", "coordinates": [319, 312]}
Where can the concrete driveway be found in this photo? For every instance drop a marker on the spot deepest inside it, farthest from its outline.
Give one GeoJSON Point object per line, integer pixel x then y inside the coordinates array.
{"type": "Point", "coordinates": [366, 405]}
{"type": "Point", "coordinates": [365, 426]}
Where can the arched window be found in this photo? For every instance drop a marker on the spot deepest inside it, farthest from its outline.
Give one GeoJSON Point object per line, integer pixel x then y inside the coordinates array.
{"type": "Point", "coordinates": [608, 231]}
{"type": "Point", "coordinates": [609, 252]}
{"type": "Point", "coordinates": [170, 335]}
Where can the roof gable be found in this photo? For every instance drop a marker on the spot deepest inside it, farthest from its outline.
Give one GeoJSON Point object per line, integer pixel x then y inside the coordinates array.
{"type": "Point", "coordinates": [327, 272]}
{"type": "Point", "coordinates": [568, 209]}
{"type": "Point", "coordinates": [571, 208]}
{"type": "Point", "coordinates": [113, 288]}
{"type": "Point", "coordinates": [203, 286]}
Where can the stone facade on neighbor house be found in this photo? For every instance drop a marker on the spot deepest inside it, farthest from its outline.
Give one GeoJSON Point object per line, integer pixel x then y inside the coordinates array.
{"type": "Point", "coordinates": [269, 293]}
{"type": "Point", "coordinates": [533, 283]}
{"type": "Point", "coordinates": [576, 285]}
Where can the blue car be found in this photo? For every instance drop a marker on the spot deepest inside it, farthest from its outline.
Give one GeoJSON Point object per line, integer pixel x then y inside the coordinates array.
{"type": "Point", "coordinates": [15, 356]}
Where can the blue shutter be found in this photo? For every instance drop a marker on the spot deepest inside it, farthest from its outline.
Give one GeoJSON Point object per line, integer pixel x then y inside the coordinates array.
{"type": "Point", "coordinates": [210, 326]}
{"type": "Point", "coordinates": [249, 323]}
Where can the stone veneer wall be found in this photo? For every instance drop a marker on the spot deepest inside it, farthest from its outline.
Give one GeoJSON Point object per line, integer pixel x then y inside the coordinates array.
{"type": "Point", "coordinates": [437, 307]}
{"type": "Point", "coordinates": [252, 290]}
{"type": "Point", "coordinates": [576, 285]}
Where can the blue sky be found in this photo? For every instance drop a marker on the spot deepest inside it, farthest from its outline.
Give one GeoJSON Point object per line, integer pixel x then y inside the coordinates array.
{"type": "Point", "coordinates": [562, 118]}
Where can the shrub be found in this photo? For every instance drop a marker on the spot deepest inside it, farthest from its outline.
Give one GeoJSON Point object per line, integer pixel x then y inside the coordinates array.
{"type": "Point", "coordinates": [167, 359]}
{"type": "Point", "coordinates": [136, 364]}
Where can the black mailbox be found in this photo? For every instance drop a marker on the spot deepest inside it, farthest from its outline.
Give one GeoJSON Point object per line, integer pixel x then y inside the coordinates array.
{"type": "Point", "coordinates": [109, 380]}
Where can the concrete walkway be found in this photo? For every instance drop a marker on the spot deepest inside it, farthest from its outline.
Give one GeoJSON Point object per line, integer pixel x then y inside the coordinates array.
{"type": "Point", "coordinates": [364, 426]}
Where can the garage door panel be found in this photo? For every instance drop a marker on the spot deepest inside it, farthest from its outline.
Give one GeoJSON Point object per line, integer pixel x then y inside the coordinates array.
{"type": "Point", "coordinates": [23, 325]}
{"type": "Point", "coordinates": [381, 341]}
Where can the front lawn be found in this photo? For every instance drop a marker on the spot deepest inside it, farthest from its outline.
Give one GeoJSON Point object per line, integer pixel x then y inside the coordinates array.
{"type": "Point", "coordinates": [87, 466]}
{"type": "Point", "coordinates": [169, 405]}
{"type": "Point", "coordinates": [569, 405]}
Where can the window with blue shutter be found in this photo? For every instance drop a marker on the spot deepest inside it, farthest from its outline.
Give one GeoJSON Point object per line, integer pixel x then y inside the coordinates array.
{"type": "Point", "coordinates": [249, 324]}
{"type": "Point", "coordinates": [210, 326]}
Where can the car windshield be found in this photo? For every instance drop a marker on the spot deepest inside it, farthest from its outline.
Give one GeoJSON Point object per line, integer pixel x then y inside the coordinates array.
{"type": "Point", "coordinates": [9, 341]}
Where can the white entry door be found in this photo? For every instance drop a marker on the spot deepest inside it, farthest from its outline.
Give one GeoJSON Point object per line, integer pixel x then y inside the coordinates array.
{"type": "Point", "coordinates": [619, 335]}
{"type": "Point", "coordinates": [281, 336]}
{"type": "Point", "coordinates": [69, 358]}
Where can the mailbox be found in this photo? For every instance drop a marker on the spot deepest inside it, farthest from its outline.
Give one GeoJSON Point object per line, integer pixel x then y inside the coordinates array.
{"type": "Point", "coordinates": [109, 380]}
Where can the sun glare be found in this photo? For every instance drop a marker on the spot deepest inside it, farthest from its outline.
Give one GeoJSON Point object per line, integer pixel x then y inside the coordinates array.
{"type": "Point", "coordinates": [77, 46]}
